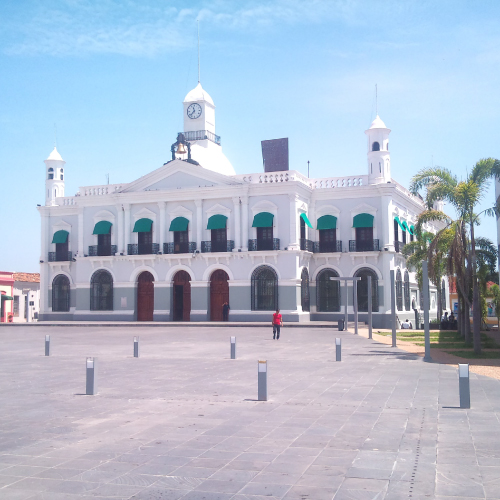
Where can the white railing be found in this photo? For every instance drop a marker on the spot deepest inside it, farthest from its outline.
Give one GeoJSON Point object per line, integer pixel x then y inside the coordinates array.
{"type": "Point", "coordinates": [66, 200]}
{"type": "Point", "coordinates": [292, 175]}
{"type": "Point", "coordinates": [100, 190]}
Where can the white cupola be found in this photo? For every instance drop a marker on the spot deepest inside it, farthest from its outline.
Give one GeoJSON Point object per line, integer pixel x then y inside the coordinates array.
{"type": "Point", "coordinates": [379, 158]}
{"type": "Point", "coordinates": [54, 177]}
{"type": "Point", "coordinates": [199, 131]}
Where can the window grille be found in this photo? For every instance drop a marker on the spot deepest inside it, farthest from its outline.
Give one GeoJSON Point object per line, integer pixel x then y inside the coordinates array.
{"type": "Point", "coordinates": [16, 306]}
{"type": "Point", "coordinates": [304, 290]}
{"type": "Point", "coordinates": [264, 289]}
{"type": "Point", "coordinates": [407, 290]}
{"type": "Point", "coordinates": [60, 293]}
{"type": "Point", "coordinates": [363, 273]}
{"type": "Point", "coordinates": [101, 291]}
{"type": "Point", "coordinates": [399, 291]}
{"type": "Point", "coordinates": [327, 291]}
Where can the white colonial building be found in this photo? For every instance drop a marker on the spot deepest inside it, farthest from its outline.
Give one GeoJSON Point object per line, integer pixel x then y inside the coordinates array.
{"type": "Point", "coordinates": [180, 241]}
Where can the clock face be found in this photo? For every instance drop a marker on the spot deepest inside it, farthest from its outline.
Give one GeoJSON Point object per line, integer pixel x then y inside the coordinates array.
{"type": "Point", "coordinates": [194, 111]}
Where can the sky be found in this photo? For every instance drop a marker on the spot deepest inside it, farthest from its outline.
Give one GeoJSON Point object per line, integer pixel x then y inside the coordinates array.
{"type": "Point", "coordinates": [106, 79]}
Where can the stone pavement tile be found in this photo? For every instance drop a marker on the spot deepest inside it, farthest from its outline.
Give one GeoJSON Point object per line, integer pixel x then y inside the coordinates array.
{"type": "Point", "coordinates": [221, 486]}
{"type": "Point", "coordinates": [321, 481]}
{"type": "Point", "coordinates": [17, 494]}
{"type": "Point", "coordinates": [398, 490]}
{"type": "Point", "coordinates": [22, 470]}
{"type": "Point", "coordinates": [155, 469]}
{"type": "Point", "coordinates": [100, 456]}
{"type": "Point", "coordinates": [351, 486]}
{"type": "Point", "coordinates": [59, 473]}
{"type": "Point", "coordinates": [133, 479]}
{"type": "Point", "coordinates": [45, 461]}
{"type": "Point", "coordinates": [187, 471]}
{"type": "Point", "coordinates": [6, 480]}
{"type": "Point", "coordinates": [73, 487]}
{"type": "Point", "coordinates": [369, 473]}
{"type": "Point", "coordinates": [234, 475]}
{"type": "Point", "coordinates": [33, 483]}
{"type": "Point", "coordinates": [184, 452]}
{"type": "Point", "coordinates": [207, 495]}
{"type": "Point", "coordinates": [14, 459]}
{"type": "Point", "coordinates": [295, 467]}
{"type": "Point", "coordinates": [179, 482]}
{"type": "Point", "coordinates": [260, 457]}
{"type": "Point", "coordinates": [326, 470]}
{"type": "Point", "coordinates": [266, 489]}
{"type": "Point", "coordinates": [215, 463]}
{"type": "Point", "coordinates": [311, 441]}
{"type": "Point", "coordinates": [456, 484]}
{"type": "Point", "coordinates": [300, 452]}
{"type": "Point", "coordinates": [236, 444]}
{"type": "Point", "coordinates": [155, 493]}
{"type": "Point", "coordinates": [95, 476]}
{"type": "Point", "coordinates": [276, 478]}
{"type": "Point", "coordinates": [116, 490]}
{"type": "Point", "coordinates": [306, 492]}
{"type": "Point", "coordinates": [115, 467]}
{"type": "Point", "coordinates": [439, 497]}
{"type": "Point", "coordinates": [254, 465]}
{"type": "Point", "coordinates": [253, 497]}
{"type": "Point", "coordinates": [223, 454]}
{"type": "Point", "coordinates": [80, 464]}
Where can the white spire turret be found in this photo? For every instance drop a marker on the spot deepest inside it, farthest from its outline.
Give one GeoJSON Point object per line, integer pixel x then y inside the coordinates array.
{"type": "Point", "coordinates": [54, 177]}
{"type": "Point", "coordinates": [379, 158]}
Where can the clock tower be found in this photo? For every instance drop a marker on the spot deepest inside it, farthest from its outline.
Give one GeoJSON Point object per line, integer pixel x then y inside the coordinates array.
{"type": "Point", "coordinates": [199, 111]}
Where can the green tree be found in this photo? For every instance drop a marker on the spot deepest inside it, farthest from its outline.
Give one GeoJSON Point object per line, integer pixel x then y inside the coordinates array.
{"type": "Point", "coordinates": [464, 196]}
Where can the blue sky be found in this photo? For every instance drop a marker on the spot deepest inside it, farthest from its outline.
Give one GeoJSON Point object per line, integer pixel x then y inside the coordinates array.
{"type": "Point", "coordinates": [111, 75]}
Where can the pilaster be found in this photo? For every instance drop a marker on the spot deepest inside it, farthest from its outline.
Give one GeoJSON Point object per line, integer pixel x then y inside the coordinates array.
{"type": "Point", "coordinates": [127, 229]}
{"type": "Point", "coordinates": [199, 223]}
{"type": "Point", "coordinates": [237, 223]}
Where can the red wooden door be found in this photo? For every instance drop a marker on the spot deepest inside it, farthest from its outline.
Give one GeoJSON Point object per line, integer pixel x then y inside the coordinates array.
{"type": "Point", "coordinates": [145, 297]}
{"type": "Point", "coordinates": [182, 312]}
{"type": "Point", "coordinates": [219, 293]}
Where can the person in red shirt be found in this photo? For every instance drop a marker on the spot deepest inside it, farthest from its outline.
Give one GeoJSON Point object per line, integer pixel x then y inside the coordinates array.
{"type": "Point", "coordinates": [277, 323]}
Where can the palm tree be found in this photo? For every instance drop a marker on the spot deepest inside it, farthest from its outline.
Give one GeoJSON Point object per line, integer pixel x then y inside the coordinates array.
{"type": "Point", "coordinates": [465, 196]}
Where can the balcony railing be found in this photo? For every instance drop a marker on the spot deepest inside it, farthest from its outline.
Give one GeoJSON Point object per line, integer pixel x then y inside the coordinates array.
{"type": "Point", "coordinates": [306, 245]}
{"type": "Point", "coordinates": [199, 135]}
{"type": "Point", "coordinates": [260, 245]}
{"type": "Point", "coordinates": [185, 247]}
{"type": "Point", "coordinates": [60, 256]}
{"type": "Point", "coordinates": [398, 246]}
{"type": "Point", "coordinates": [208, 246]}
{"type": "Point", "coordinates": [102, 250]}
{"type": "Point", "coordinates": [327, 246]}
{"type": "Point", "coordinates": [143, 249]}
{"type": "Point", "coordinates": [363, 246]}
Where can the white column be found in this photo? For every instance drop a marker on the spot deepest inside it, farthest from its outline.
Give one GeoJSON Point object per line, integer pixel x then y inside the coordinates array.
{"type": "Point", "coordinates": [245, 230]}
{"type": "Point", "coordinates": [199, 223]}
{"type": "Point", "coordinates": [237, 223]}
{"type": "Point", "coordinates": [312, 220]}
{"type": "Point", "coordinates": [80, 233]}
{"type": "Point", "coordinates": [119, 235]}
{"type": "Point", "coordinates": [386, 234]}
{"type": "Point", "coordinates": [127, 228]}
{"type": "Point", "coordinates": [162, 205]}
{"type": "Point", "coordinates": [293, 245]}
{"type": "Point", "coordinates": [44, 267]}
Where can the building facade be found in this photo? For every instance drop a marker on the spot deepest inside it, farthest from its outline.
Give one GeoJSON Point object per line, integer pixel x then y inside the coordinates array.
{"type": "Point", "coordinates": [177, 243]}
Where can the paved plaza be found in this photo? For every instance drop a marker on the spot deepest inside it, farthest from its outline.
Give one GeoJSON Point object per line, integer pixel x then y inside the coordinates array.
{"type": "Point", "coordinates": [182, 420]}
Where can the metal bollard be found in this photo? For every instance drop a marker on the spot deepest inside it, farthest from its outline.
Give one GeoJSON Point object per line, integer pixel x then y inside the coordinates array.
{"type": "Point", "coordinates": [338, 350]}
{"type": "Point", "coordinates": [47, 345]}
{"type": "Point", "coordinates": [91, 384]}
{"type": "Point", "coordinates": [136, 347]}
{"type": "Point", "coordinates": [233, 347]}
{"type": "Point", "coordinates": [463, 385]}
{"type": "Point", "coordinates": [262, 381]}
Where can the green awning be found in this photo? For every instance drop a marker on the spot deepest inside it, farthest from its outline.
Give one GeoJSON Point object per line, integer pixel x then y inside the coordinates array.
{"type": "Point", "coordinates": [405, 225]}
{"type": "Point", "coordinates": [217, 222]}
{"type": "Point", "coordinates": [263, 219]}
{"type": "Point", "coordinates": [327, 222]}
{"type": "Point", "coordinates": [179, 224]}
{"type": "Point", "coordinates": [306, 220]}
{"type": "Point", "coordinates": [400, 224]}
{"type": "Point", "coordinates": [7, 297]}
{"type": "Point", "coordinates": [60, 236]}
{"type": "Point", "coordinates": [412, 230]}
{"type": "Point", "coordinates": [103, 227]}
{"type": "Point", "coordinates": [362, 220]}
{"type": "Point", "coordinates": [142, 226]}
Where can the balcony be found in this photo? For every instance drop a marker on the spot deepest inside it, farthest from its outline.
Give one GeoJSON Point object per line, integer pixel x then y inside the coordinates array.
{"type": "Point", "coordinates": [102, 250]}
{"type": "Point", "coordinates": [327, 246]}
{"type": "Point", "coordinates": [60, 256]}
{"type": "Point", "coordinates": [306, 245]}
{"type": "Point", "coordinates": [363, 246]}
{"type": "Point", "coordinates": [184, 247]}
{"type": "Point", "coordinates": [398, 246]}
{"type": "Point", "coordinates": [199, 135]}
{"type": "Point", "coordinates": [208, 246]}
{"type": "Point", "coordinates": [261, 245]}
{"type": "Point", "coordinates": [143, 249]}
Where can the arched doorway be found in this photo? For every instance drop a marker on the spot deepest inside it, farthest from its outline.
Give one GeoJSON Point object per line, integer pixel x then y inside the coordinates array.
{"type": "Point", "coordinates": [304, 290]}
{"type": "Point", "coordinates": [219, 293]}
{"type": "Point", "coordinates": [182, 296]}
{"type": "Point", "coordinates": [145, 296]}
{"type": "Point", "coordinates": [363, 273]}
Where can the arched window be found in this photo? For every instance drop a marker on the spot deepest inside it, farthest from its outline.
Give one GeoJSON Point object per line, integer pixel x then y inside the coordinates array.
{"type": "Point", "coordinates": [60, 293]}
{"type": "Point", "coordinates": [304, 290]}
{"type": "Point", "coordinates": [327, 291]}
{"type": "Point", "coordinates": [264, 289]}
{"type": "Point", "coordinates": [399, 290]}
{"type": "Point", "coordinates": [407, 290]}
{"type": "Point", "coordinates": [363, 273]}
{"type": "Point", "coordinates": [51, 173]}
{"type": "Point", "coordinates": [443, 295]}
{"type": "Point", "coordinates": [375, 146]}
{"type": "Point", "coordinates": [101, 291]}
